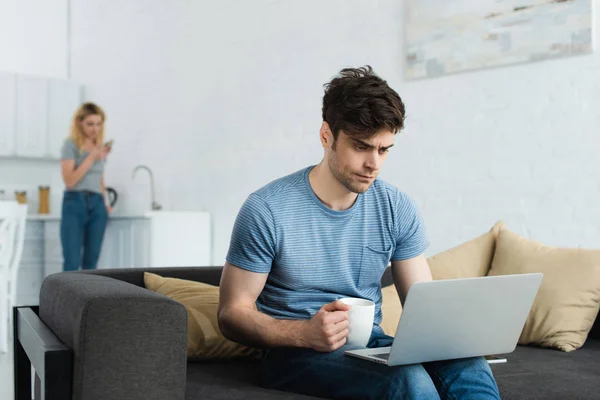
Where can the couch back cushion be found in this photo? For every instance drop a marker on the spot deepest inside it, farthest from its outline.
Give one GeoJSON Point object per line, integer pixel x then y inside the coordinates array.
{"type": "Point", "coordinates": [212, 276]}
{"type": "Point", "coordinates": [470, 259]}
{"type": "Point", "coordinates": [205, 340]}
{"type": "Point", "coordinates": [135, 276]}
{"type": "Point", "coordinates": [568, 300]}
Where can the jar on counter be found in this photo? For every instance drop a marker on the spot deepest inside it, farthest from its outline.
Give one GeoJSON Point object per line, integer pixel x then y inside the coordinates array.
{"type": "Point", "coordinates": [21, 197]}
{"type": "Point", "coordinates": [44, 200]}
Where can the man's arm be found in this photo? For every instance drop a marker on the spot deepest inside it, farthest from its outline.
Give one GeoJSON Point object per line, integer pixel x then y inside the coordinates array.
{"type": "Point", "coordinates": [407, 272]}
{"type": "Point", "coordinates": [240, 321]}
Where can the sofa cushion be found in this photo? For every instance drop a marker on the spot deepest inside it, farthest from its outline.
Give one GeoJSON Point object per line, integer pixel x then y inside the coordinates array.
{"type": "Point", "coordinates": [541, 373]}
{"type": "Point", "coordinates": [467, 260]}
{"type": "Point", "coordinates": [530, 373]}
{"type": "Point", "coordinates": [391, 309]}
{"type": "Point", "coordinates": [205, 340]}
{"type": "Point", "coordinates": [231, 380]}
{"type": "Point", "coordinates": [567, 302]}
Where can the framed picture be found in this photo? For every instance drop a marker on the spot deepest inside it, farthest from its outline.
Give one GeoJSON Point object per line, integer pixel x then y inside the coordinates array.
{"type": "Point", "coordinates": [444, 37]}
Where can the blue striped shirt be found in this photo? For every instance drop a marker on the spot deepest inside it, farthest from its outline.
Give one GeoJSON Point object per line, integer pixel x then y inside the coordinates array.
{"type": "Point", "coordinates": [315, 255]}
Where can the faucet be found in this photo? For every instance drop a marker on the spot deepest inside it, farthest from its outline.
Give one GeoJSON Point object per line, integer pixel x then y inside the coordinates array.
{"type": "Point", "coordinates": [155, 205]}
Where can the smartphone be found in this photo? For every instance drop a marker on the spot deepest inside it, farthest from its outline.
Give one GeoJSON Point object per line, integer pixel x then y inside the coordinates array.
{"type": "Point", "coordinates": [495, 359]}
{"type": "Point", "coordinates": [109, 143]}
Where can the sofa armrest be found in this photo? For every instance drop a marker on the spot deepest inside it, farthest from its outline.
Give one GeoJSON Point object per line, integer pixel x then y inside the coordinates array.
{"type": "Point", "coordinates": [128, 342]}
{"type": "Point", "coordinates": [36, 346]}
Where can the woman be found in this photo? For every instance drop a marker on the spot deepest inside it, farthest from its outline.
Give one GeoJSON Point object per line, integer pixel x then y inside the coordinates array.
{"type": "Point", "coordinates": [84, 209]}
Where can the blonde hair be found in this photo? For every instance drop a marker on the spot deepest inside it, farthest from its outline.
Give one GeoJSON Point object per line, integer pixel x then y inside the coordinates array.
{"type": "Point", "coordinates": [84, 110]}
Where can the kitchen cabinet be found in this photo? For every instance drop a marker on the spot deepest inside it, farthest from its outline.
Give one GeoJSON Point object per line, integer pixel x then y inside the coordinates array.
{"type": "Point", "coordinates": [32, 114]}
{"type": "Point", "coordinates": [179, 238]}
{"type": "Point", "coordinates": [35, 115]}
{"type": "Point", "coordinates": [30, 275]}
{"type": "Point", "coordinates": [125, 245]}
{"type": "Point", "coordinates": [8, 96]}
{"type": "Point", "coordinates": [152, 239]}
{"type": "Point", "coordinates": [63, 99]}
{"type": "Point", "coordinates": [53, 259]}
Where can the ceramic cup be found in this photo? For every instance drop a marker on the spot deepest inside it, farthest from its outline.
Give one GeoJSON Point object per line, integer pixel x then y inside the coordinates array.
{"type": "Point", "coordinates": [360, 317]}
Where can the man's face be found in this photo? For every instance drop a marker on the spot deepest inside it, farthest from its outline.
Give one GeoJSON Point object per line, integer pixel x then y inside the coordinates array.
{"type": "Point", "coordinates": [356, 161]}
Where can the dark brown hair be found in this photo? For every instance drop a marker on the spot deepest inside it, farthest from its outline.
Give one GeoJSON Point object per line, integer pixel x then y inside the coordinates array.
{"type": "Point", "coordinates": [360, 103]}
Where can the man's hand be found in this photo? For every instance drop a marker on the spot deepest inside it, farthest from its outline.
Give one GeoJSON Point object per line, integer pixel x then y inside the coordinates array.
{"type": "Point", "coordinates": [327, 329]}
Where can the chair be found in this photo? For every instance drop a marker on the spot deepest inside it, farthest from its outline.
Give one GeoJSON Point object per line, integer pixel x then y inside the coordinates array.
{"type": "Point", "coordinates": [12, 236]}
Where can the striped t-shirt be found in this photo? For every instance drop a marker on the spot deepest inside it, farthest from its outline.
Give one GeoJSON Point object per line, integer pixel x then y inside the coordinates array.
{"type": "Point", "coordinates": [315, 255]}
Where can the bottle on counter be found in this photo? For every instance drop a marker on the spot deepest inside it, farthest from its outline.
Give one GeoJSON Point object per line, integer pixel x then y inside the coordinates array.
{"type": "Point", "coordinates": [44, 200]}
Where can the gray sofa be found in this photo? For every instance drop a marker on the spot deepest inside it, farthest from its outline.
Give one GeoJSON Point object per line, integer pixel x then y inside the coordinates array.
{"type": "Point", "coordinates": [101, 335]}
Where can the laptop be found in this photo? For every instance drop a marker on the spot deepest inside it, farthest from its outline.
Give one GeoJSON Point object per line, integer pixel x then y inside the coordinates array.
{"type": "Point", "coordinates": [459, 318]}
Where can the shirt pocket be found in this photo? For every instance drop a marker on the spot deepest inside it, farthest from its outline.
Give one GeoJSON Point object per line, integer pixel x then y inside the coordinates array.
{"type": "Point", "coordinates": [373, 262]}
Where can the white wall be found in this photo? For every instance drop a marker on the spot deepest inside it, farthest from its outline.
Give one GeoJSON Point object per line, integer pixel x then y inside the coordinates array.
{"type": "Point", "coordinates": [219, 98]}
{"type": "Point", "coordinates": [33, 41]}
{"type": "Point", "coordinates": [33, 37]}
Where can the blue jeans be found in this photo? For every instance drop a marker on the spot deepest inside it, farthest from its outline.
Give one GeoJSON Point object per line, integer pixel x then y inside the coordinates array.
{"type": "Point", "coordinates": [82, 227]}
{"type": "Point", "coordinates": [338, 376]}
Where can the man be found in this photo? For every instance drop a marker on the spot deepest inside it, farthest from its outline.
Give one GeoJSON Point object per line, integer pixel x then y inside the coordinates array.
{"type": "Point", "coordinates": [327, 232]}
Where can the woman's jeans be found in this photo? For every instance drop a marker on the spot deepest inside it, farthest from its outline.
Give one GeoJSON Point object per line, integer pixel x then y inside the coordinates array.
{"type": "Point", "coordinates": [82, 227]}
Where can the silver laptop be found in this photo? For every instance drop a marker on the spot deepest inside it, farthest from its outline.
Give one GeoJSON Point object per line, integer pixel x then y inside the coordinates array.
{"type": "Point", "coordinates": [459, 318]}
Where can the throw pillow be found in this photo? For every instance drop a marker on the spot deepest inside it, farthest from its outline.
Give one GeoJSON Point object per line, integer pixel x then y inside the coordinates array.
{"type": "Point", "coordinates": [467, 260]}
{"type": "Point", "coordinates": [391, 309]}
{"type": "Point", "coordinates": [567, 302]}
{"type": "Point", "coordinates": [205, 340]}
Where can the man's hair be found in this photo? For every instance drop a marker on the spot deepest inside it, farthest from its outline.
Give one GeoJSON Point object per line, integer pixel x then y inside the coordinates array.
{"type": "Point", "coordinates": [360, 103]}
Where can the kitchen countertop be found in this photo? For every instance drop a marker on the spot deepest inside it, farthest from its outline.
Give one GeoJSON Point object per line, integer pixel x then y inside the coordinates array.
{"type": "Point", "coordinates": [54, 217]}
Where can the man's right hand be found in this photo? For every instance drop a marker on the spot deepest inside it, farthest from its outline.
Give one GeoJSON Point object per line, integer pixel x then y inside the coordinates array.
{"type": "Point", "coordinates": [326, 331]}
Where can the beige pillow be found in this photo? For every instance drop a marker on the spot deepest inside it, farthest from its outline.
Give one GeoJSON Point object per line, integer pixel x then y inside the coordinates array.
{"type": "Point", "coordinates": [205, 340]}
{"type": "Point", "coordinates": [467, 260]}
{"type": "Point", "coordinates": [391, 308]}
{"type": "Point", "coordinates": [567, 302]}
{"type": "Point", "coordinates": [470, 259]}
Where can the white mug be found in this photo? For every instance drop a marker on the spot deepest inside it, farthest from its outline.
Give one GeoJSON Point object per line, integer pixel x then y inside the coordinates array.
{"type": "Point", "coordinates": [360, 317]}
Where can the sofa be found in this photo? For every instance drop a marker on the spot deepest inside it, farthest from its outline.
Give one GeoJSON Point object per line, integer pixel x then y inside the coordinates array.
{"type": "Point", "coordinates": [101, 335]}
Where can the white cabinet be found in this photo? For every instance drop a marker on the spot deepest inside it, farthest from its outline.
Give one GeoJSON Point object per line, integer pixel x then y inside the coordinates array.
{"type": "Point", "coordinates": [35, 115]}
{"type": "Point", "coordinates": [126, 244]}
{"type": "Point", "coordinates": [8, 96]}
{"type": "Point", "coordinates": [30, 275]}
{"type": "Point", "coordinates": [53, 259]}
{"type": "Point", "coordinates": [179, 239]}
{"type": "Point", "coordinates": [63, 99]}
{"type": "Point", "coordinates": [32, 108]}
{"type": "Point", "coordinates": [155, 239]}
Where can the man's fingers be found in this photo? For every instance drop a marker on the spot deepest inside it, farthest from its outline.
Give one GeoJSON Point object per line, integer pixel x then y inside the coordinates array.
{"type": "Point", "coordinates": [338, 328]}
{"type": "Point", "coordinates": [337, 305]}
{"type": "Point", "coordinates": [334, 329]}
{"type": "Point", "coordinates": [340, 342]}
{"type": "Point", "coordinates": [335, 317]}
